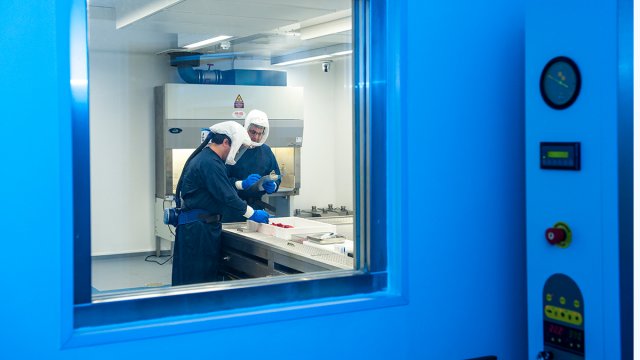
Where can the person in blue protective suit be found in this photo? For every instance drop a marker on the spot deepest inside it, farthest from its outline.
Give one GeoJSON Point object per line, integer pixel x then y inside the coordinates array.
{"type": "Point", "coordinates": [204, 192]}
{"type": "Point", "coordinates": [256, 162]}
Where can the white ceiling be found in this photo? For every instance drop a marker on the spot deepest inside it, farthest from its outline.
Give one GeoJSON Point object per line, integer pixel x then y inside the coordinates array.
{"type": "Point", "coordinates": [258, 27]}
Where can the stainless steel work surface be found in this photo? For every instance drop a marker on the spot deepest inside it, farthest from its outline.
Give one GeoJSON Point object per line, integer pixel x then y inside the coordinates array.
{"type": "Point", "coordinates": [293, 249]}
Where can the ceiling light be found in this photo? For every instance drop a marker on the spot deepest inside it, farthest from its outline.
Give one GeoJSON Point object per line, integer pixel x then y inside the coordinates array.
{"type": "Point", "coordinates": [128, 12]}
{"type": "Point", "coordinates": [291, 62]}
{"type": "Point", "coordinates": [204, 43]}
{"type": "Point", "coordinates": [339, 53]}
{"type": "Point", "coordinates": [311, 55]}
{"type": "Point", "coordinates": [327, 28]}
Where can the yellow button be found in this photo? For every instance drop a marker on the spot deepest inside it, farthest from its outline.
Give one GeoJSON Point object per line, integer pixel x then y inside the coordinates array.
{"type": "Point", "coordinates": [578, 319]}
{"type": "Point", "coordinates": [564, 315]}
{"type": "Point", "coordinates": [576, 303]}
{"type": "Point", "coordinates": [563, 300]}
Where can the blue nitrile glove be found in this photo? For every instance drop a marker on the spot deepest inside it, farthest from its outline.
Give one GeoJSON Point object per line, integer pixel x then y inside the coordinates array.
{"type": "Point", "coordinates": [260, 216]}
{"type": "Point", "coordinates": [269, 186]}
{"type": "Point", "coordinates": [250, 180]}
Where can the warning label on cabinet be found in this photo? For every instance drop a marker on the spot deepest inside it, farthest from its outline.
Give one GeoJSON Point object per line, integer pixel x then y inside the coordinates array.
{"type": "Point", "coordinates": [239, 103]}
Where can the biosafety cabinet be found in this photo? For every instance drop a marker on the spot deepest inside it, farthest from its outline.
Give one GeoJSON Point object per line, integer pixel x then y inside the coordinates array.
{"type": "Point", "coordinates": [182, 111]}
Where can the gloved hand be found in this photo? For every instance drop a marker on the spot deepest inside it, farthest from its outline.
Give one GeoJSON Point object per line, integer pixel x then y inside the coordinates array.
{"type": "Point", "coordinates": [250, 180]}
{"type": "Point", "coordinates": [269, 186]}
{"type": "Point", "coordinates": [260, 216]}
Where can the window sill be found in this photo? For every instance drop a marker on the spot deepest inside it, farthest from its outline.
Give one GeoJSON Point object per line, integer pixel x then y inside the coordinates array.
{"type": "Point", "coordinates": [133, 319]}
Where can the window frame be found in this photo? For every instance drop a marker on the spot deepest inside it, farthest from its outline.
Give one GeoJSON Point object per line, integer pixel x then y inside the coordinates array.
{"type": "Point", "coordinates": [380, 204]}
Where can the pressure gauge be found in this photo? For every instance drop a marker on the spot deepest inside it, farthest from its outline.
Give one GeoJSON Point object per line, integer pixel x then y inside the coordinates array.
{"type": "Point", "coordinates": [560, 82]}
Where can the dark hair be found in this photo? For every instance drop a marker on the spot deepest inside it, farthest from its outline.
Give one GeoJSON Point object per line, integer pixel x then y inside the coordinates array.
{"type": "Point", "coordinates": [219, 138]}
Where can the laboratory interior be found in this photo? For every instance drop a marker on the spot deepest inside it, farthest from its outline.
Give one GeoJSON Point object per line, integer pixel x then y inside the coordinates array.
{"type": "Point", "coordinates": [216, 178]}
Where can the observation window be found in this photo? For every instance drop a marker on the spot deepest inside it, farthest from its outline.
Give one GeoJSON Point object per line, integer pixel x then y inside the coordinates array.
{"type": "Point", "coordinates": [160, 74]}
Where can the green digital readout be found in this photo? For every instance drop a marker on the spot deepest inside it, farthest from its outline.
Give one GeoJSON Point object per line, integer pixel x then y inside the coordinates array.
{"type": "Point", "coordinates": [558, 154]}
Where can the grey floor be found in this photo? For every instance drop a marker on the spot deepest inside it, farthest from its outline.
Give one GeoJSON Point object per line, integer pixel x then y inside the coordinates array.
{"type": "Point", "coordinates": [129, 272]}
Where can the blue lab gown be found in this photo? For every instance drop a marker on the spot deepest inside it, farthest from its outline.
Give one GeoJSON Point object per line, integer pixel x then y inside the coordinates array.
{"type": "Point", "coordinates": [258, 160]}
{"type": "Point", "coordinates": [205, 185]}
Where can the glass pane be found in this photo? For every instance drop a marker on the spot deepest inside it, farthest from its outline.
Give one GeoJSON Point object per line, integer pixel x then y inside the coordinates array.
{"type": "Point", "coordinates": [161, 73]}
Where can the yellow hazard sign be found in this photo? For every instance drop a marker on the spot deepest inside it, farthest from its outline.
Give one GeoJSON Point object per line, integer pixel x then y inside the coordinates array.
{"type": "Point", "coordinates": [239, 103]}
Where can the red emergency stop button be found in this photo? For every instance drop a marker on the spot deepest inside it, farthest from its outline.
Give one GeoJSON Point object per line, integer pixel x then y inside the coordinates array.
{"type": "Point", "coordinates": [555, 235]}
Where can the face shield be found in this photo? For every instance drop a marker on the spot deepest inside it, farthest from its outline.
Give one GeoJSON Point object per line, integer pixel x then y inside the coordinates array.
{"type": "Point", "coordinates": [256, 125]}
{"type": "Point", "coordinates": [240, 140]}
{"type": "Point", "coordinates": [237, 155]}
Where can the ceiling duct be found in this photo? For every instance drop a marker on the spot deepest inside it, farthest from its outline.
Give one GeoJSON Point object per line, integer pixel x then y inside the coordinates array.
{"type": "Point", "coordinates": [185, 62]}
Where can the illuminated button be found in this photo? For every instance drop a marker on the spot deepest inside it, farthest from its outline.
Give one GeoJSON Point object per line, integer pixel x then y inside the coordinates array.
{"type": "Point", "coordinates": [563, 300]}
{"type": "Point", "coordinates": [576, 304]}
{"type": "Point", "coordinates": [549, 297]}
{"type": "Point", "coordinates": [555, 235]}
{"type": "Point", "coordinates": [563, 315]}
{"type": "Point", "coordinates": [578, 320]}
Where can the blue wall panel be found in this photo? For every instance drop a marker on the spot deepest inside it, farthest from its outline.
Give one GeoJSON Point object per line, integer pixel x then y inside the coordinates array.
{"type": "Point", "coordinates": [466, 110]}
{"type": "Point", "coordinates": [462, 104]}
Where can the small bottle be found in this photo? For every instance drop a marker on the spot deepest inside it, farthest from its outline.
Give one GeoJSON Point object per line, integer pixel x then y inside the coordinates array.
{"type": "Point", "coordinates": [340, 249]}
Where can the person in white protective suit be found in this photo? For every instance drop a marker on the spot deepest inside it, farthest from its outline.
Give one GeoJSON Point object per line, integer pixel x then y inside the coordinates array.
{"type": "Point", "coordinates": [257, 161]}
{"type": "Point", "coordinates": [203, 194]}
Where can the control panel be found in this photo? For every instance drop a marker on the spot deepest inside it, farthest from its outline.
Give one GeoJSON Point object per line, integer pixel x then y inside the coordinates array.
{"type": "Point", "coordinates": [563, 319]}
{"type": "Point", "coordinates": [579, 178]}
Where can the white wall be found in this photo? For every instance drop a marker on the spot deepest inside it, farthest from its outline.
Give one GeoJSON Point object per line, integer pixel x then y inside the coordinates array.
{"type": "Point", "coordinates": [122, 144]}
{"type": "Point", "coordinates": [343, 100]}
{"type": "Point", "coordinates": [122, 149]}
{"type": "Point", "coordinates": [327, 150]}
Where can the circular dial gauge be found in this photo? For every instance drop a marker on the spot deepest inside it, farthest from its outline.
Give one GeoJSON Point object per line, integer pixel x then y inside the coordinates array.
{"type": "Point", "coordinates": [560, 82]}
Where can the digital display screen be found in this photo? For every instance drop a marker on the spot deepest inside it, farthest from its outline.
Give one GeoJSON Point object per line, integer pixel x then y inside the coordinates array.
{"type": "Point", "coordinates": [558, 154]}
{"type": "Point", "coordinates": [563, 337]}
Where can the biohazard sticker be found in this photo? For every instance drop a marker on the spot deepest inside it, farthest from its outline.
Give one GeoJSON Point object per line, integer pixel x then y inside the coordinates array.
{"type": "Point", "coordinates": [239, 103]}
{"type": "Point", "coordinates": [238, 114]}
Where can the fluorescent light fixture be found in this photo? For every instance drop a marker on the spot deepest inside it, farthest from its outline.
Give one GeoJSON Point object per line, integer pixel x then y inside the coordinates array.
{"type": "Point", "coordinates": [206, 42]}
{"type": "Point", "coordinates": [291, 62]}
{"type": "Point", "coordinates": [128, 12]}
{"type": "Point", "coordinates": [339, 53]}
{"type": "Point", "coordinates": [327, 28]}
{"type": "Point", "coordinates": [311, 55]}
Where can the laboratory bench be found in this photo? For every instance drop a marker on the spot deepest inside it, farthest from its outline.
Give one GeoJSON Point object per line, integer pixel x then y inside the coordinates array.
{"type": "Point", "coordinates": [247, 254]}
